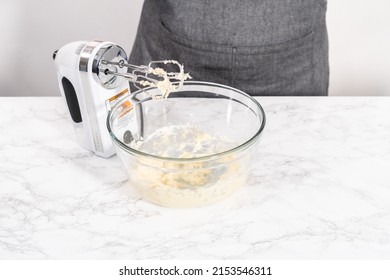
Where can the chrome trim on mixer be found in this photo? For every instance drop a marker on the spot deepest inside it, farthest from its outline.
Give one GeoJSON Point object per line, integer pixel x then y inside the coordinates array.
{"type": "Point", "coordinates": [86, 53]}
{"type": "Point", "coordinates": [105, 73]}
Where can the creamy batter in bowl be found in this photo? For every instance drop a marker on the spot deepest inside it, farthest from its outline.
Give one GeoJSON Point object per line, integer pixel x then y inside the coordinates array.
{"type": "Point", "coordinates": [190, 150]}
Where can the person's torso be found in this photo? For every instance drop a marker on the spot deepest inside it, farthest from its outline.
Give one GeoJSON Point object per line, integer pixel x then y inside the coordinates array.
{"type": "Point", "coordinates": [240, 22]}
{"type": "Point", "coordinates": [264, 47]}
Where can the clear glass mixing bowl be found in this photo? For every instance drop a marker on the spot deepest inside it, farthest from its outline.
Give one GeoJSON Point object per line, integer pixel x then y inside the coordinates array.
{"type": "Point", "coordinates": [192, 149]}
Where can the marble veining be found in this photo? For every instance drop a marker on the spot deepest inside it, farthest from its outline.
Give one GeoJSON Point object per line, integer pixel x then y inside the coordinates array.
{"type": "Point", "coordinates": [319, 188]}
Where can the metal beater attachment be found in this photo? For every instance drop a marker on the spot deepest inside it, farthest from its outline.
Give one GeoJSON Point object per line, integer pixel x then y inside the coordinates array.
{"type": "Point", "coordinates": [152, 75]}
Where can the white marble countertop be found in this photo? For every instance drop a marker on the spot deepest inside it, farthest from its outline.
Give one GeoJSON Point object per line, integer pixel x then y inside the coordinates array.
{"type": "Point", "coordinates": [319, 189]}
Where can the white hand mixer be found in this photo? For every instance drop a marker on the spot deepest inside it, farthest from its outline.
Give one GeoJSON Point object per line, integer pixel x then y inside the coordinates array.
{"type": "Point", "coordinates": [93, 75]}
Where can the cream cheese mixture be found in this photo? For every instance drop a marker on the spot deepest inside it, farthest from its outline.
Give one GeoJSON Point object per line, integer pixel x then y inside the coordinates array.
{"type": "Point", "coordinates": [181, 183]}
{"type": "Point", "coordinates": [165, 85]}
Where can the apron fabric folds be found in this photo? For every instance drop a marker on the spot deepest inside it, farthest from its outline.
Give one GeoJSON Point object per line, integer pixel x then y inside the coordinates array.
{"type": "Point", "coordinates": [263, 47]}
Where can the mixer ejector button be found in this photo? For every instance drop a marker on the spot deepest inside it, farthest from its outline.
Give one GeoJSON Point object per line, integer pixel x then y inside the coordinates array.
{"type": "Point", "coordinates": [127, 137]}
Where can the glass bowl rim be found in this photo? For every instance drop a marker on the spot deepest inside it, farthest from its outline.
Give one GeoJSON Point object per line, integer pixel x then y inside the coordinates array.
{"type": "Point", "coordinates": [245, 145]}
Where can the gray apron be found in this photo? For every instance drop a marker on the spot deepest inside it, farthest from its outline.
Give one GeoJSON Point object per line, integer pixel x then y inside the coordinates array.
{"type": "Point", "coordinates": [263, 47]}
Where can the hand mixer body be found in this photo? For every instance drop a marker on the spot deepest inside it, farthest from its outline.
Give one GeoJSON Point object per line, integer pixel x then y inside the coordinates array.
{"type": "Point", "coordinates": [87, 93]}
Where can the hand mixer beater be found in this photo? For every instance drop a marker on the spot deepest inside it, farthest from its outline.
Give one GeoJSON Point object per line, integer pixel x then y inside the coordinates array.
{"type": "Point", "coordinates": [93, 75]}
{"type": "Point", "coordinates": [151, 75]}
